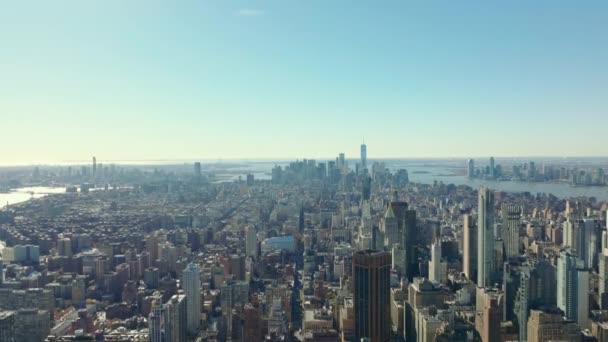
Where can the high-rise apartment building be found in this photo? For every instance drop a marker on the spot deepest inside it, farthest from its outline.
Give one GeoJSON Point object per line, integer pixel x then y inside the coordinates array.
{"type": "Point", "coordinates": [175, 319]}
{"type": "Point", "coordinates": [155, 322]}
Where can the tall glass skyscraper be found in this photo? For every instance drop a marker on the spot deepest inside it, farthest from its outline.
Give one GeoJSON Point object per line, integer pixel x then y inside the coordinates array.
{"type": "Point", "coordinates": [371, 271]}
{"type": "Point", "coordinates": [364, 155]}
{"type": "Point", "coordinates": [573, 288]}
{"type": "Point", "coordinates": [485, 237]}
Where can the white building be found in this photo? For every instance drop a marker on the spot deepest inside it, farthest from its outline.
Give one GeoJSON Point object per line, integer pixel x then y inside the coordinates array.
{"type": "Point", "coordinates": [192, 289]}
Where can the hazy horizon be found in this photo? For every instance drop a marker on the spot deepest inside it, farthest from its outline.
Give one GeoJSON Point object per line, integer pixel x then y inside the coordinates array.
{"type": "Point", "coordinates": [184, 161]}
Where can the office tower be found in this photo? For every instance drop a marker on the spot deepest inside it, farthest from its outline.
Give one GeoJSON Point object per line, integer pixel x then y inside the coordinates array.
{"type": "Point", "coordinates": [492, 167]}
{"type": "Point", "coordinates": [513, 269]}
{"type": "Point", "coordinates": [511, 215]}
{"type": "Point", "coordinates": [251, 242]}
{"type": "Point", "coordinates": [192, 289]}
{"type": "Point", "coordinates": [603, 279]}
{"type": "Point", "coordinates": [410, 243]}
{"type": "Point", "coordinates": [471, 168]}
{"type": "Point", "coordinates": [301, 223]}
{"type": "Point", "coordinates": [174, 319]}
{"type": "Point", "coordinates": [371, 272]}
{"type": "Point", "coordinates": [573, 288]}
{"type": "Point", "coordinates": [469, 247]}
{"type": "Point", "coordinates": [547, 326]}
{"type": "Point", "coordinates": [366, 188]}
{"type": "Point", "coordinates": [485, 237]}
{"type": "Point", "coordinates": [568, 240]}
{"type": "Point", "coordinates": [590, 242]}
{"type": "Point", "coordinates": [7, 326]}
{"type": "Point", "coordinates": [237, 266]}
{"type": "Point", "coordinates": [94, 166]}
{"type": "Point", "coordinates": [364, 155]}
{"type": "Point", "coordinates": [526, 285]}
{"type": "Point", "coordinates": [233, 294]}
{"type": "Point", "coordinates": [197, 170]}
{"type": "Point", "coordinates": [437, 268]}
{"type": "Point", "coordinates": [342, 163]}
{"type": "Point", "coordinates": [392, 224]}
{"type": "Point", "coordinates": [581, 237]}
{"type": "Point", "coordinates": [155, 322]}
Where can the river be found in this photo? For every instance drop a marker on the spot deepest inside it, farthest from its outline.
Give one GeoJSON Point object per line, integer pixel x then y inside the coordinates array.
{"type": "Point", "coordinates": [23, 194]}
{"type": "Point", "coordinates": [448, 172]}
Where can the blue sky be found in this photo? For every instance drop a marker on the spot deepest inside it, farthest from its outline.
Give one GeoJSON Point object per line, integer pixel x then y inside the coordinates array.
{"type": "Point", "coordinates": [279, 79]}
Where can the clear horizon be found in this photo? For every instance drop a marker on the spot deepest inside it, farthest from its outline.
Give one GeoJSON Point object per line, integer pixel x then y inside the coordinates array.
{"type": "Point", "coordinates": [259, 79]}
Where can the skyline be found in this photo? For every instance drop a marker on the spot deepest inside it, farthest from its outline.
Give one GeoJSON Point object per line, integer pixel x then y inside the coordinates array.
{"type": "Point", "coordinates": [287, 79]}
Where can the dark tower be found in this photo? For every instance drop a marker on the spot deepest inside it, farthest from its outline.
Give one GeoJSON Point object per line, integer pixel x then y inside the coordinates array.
{"type": "Point", "coordinates": [371, 272]}
{"type": "Point", "coordinates": [301, 220]}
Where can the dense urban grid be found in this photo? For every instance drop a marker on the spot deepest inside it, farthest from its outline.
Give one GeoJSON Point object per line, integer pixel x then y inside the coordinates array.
{"type": "Point", "coordinates": [322, 251]}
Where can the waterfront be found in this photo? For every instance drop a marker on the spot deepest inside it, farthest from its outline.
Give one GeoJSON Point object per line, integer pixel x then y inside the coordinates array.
{"type": "Point", "coordinates": [425, 171]}
{"type": "Point", "coordinates": [24, 194]}
{"type": "Point", "coordinates": [446, 171]}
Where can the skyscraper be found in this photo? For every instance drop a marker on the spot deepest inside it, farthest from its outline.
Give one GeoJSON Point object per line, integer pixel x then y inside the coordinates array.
{"type": "Point", "coordinates": [603, 279]}
{"type": "Point", "coordinates": [366, 188]}
{"type": "Point", "coordinates": [435, 271]}
{"type": "Point", "coordinates": [573, 288]}
{"type": "Point", "coordinates": [492, 167]}
{"type": "Point", "coordinates": [197, 169]}
{"type": "Point", "coordinates": [364, 155]}
{"type": "Point", "coordinates": [94, 166]}
{"type": "Point", "coordinates": [469, 247]}
{"type": "Point", "coordinates": [155, 322]}
{"type": "Point", "coordinates": [485, 237]}
{"type": "Point", "coordinates": [392, 224]}
{"type": "Point", "coordinates": [174, 319]}
{"type": "Point", "coordinates": [252, 322]}
{"type": "Point", "coordinates": [471, 168]}
{"type": "Point", "coordinates": [410, 241]}
{"type": "Point", "coordinates": [511, 215]}
{"type": "Point", "coordinates": [371, 271]}
{"type": "Point", "coordinates": [251, 242]}
{"type": "Point", "coordinates": [192, 289]}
